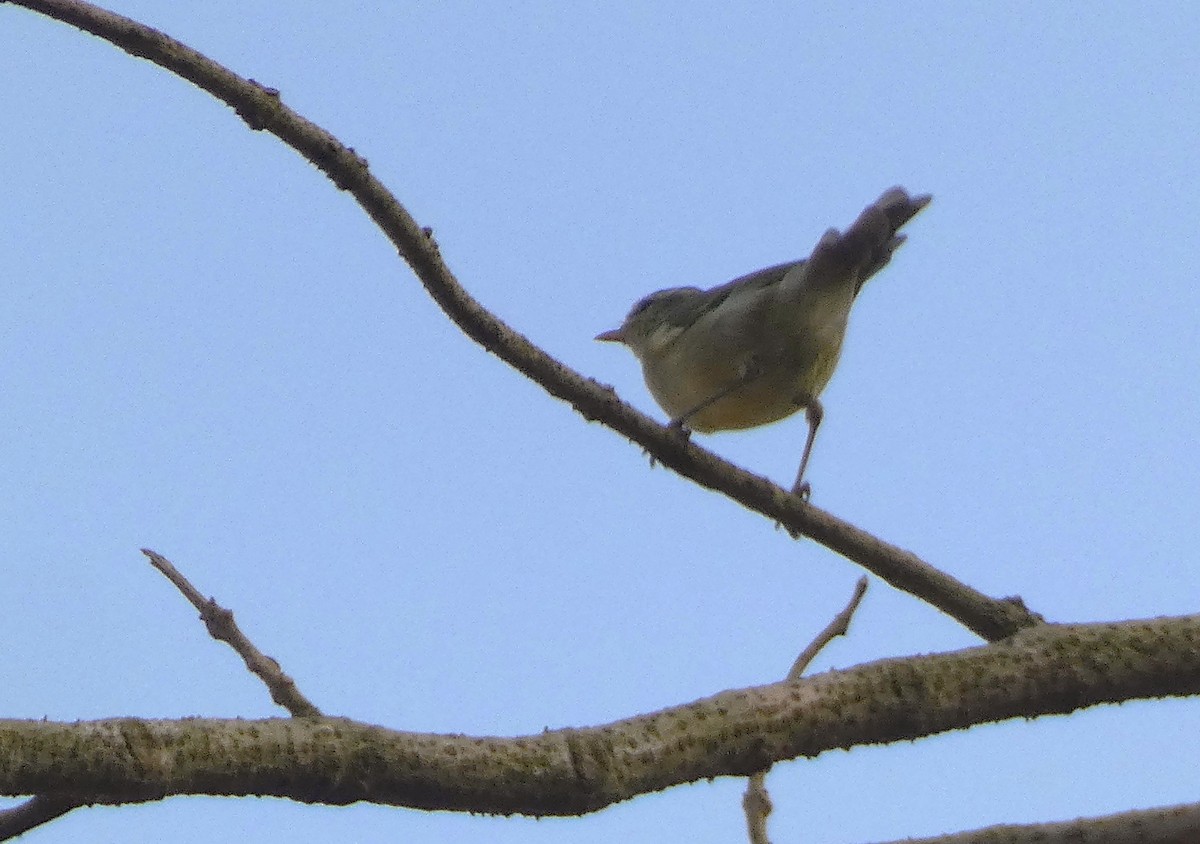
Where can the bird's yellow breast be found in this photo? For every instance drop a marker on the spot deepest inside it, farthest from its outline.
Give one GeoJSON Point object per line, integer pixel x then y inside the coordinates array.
{"type": "Point", "coordinates": [680, 384]}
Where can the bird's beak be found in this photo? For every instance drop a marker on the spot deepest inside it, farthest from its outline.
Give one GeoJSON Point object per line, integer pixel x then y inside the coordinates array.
{"type": "Point", "coordinates": [615, 335]}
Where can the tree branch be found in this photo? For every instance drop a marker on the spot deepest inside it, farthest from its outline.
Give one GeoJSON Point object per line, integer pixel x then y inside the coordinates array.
{"type": "Point", "coordinates": [261, 108]}
{"type": "Point", "coordinates": [1169, 825]}
{"type": "Point", "coordinates": [44, 808]}
{"type": "Point", "coordinates": [33, 812]}
{"type": "Point", "coordinates": [838, 626]}
{"type": "Point", "coordinates": [223, 628]}
{"type": "Point", "coordinates": [756, 803]}
{"type": "Point", "coordinates": [1046, 670]}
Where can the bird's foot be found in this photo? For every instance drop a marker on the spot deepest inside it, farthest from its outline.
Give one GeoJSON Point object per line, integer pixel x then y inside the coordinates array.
{"type": "Point", "coordinates": [680, 429]}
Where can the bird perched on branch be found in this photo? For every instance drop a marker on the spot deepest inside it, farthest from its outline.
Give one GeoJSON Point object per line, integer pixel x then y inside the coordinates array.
{"type": "Point", "coordinates": [762, 347]}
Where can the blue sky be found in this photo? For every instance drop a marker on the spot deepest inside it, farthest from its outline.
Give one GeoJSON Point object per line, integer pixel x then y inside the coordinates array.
{"type": "Point", "coordinates": [210, 351]}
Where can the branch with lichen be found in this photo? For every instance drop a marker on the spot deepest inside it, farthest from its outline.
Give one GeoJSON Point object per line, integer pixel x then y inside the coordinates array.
{"type": "Point", "coordinates": [1046, 670]}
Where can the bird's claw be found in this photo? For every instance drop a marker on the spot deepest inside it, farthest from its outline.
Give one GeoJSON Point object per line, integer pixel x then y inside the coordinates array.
{"type": "Point", "coordinates": [680, 429]}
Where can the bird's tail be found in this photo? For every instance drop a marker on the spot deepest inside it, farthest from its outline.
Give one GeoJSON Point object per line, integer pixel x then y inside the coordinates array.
{"type": "Point", "coordinates": [866, 247]}
{"type": "Point", "coordinates": [898, 208]}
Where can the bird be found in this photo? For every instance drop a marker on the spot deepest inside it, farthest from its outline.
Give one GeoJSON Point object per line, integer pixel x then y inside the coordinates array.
{"type": "Point", "coordinates": [762, 347]}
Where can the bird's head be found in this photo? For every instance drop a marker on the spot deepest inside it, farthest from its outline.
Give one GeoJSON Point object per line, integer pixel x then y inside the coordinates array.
{"type": "Point", "coordinates": [655, 321]}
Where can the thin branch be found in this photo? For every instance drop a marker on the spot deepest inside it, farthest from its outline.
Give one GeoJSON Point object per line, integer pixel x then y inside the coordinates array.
{"type": "Point", "coordinates": [44, 808]}
{"type": "Point", "coordinates": [1168, 825]}
{"type": "Point", "coordinates": [261, 108]}
{"type": "Point", "coordinates": [837, 627]}
{"type": "Point", "coordinates": [223, 628]}
{"type": "Point", "coordinates": [757, 807]}
{"type": "Point", "coordinates": [1046, 670]}
{"type": "Point", "coordinates": [33, 812]}
{"type": "Point", "coordinates": [756, 802]}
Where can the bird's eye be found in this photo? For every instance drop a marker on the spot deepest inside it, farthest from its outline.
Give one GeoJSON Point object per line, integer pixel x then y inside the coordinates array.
{"type": "Point", "coordinates": [671, 294]}
{"type": "Point", "coordinates": [640, 307]}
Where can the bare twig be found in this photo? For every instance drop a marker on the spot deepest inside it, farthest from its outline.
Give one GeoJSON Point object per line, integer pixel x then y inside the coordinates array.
{"type": "Point", "coordinates": [756, 802]}
{"type": "Point", "coordinates": [837, 627]}
{"type": "Point", "coordinates": [44, 808]}
{"type": "Point", "coordinates": [223, 628]}
{"type": "Point", "coordinates": [262, 108]}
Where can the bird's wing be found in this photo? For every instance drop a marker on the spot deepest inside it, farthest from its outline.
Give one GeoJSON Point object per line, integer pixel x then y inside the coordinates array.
{"type": "Point", "coordinates": [750, 282]}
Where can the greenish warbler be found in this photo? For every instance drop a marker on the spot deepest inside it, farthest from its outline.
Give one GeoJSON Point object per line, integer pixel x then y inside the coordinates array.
{"type": "Point", "coordinates": [762, 347]}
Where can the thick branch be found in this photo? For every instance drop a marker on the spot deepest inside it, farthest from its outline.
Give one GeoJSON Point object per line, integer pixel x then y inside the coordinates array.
{"type": "Point", "coordinates": [1046, 670]}
{"type": "Point", "coordinates": [262, 108]}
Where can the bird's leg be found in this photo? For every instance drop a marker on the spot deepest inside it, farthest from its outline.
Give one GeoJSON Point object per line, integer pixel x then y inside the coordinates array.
{"type": "Point", "coordinates": [813, 412]}
{"type": "Point", "coordinates": [679, 423]}
{"type": "Point", "coordinates": [747, 373]}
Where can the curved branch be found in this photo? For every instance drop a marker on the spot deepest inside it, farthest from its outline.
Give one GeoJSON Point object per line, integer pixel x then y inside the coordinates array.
{"type": "Point", "coordinates": [1046, 670]}
{"type": "Point", "coordinates": [261, 108]}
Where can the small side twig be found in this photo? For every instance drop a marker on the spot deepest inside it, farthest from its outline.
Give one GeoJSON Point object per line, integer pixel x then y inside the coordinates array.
{"type": "Point", "coordinates": [837, 627]}
{"type": "Point", "coordinates": [756, 802]}
{"type": "Point", "coordinates": [44, 808]}
{"type": "Point", "coordinates": [223, 628]}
